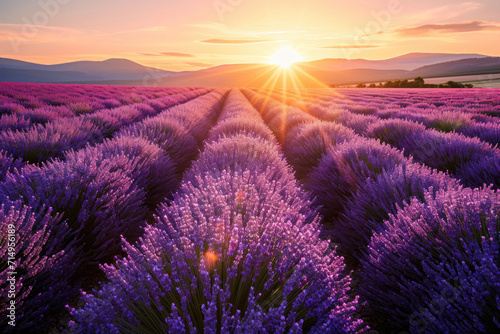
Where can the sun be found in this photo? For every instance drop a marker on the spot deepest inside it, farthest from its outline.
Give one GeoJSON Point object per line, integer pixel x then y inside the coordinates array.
{"type": "Point", "coordinates": [285, 57]}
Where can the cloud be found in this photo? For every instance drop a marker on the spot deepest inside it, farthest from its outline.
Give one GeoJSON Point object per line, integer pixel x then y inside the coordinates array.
{"type": "Point", "coordinates": [350, 46]}
{"type": "Point", "coordinates": [177, 54]}
{"type": "Point", "coordinates": [237, 41]}
{"type": "Point", "coordinates": [443, 13]}
{"type": "Point", "coordinates": [36, 33]}
{"type": "Point", "coordinates": [150, 54]}
{"type": "Point", "coordinates": [168, 54]}
{"type": "Point", "coordinates": [448, 28]}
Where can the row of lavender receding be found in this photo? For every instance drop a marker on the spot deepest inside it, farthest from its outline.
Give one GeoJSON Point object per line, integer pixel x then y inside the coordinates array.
{"type": "Point", "coordinates": [470, 119]}
{"type": "Point", "coordinates": [239, 240]}
{"type": "Point", "coordinates": [80, 99]}
{"type": "Point", "coordinates": [70, 215]}
{"type": "Point", "coordinates": [236, 251]}
{"type": "Point", "coordinates": [23, 105]}
{"type": "Point", "coordinates": [425, 250]}
{"type": "Point", "coordinates": [472, 161]}
{"type": "Point", "coordinates": [42, 142]}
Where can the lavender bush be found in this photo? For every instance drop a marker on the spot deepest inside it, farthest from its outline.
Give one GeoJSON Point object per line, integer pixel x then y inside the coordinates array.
{"type": "Point", "coordinates": [484, 170]}
{"type": "Point", "coordinates": [382, 196]}
{"type": "Point", "coordinates": [8, 164]}
{"type": "Point", "coordinates": [235, 127]}
{"type": "Point", "coordinates": [94, 195]}
{"type": "Point", "coordinates": [305, 150]}
{"type": "Point", "coordinates": [285, 119]}
{"type": "Point", "coordinates": [14, 122]}
{"type": "Point", "coordinates": [345, 167]}
{"type": "Point", "coordinates": [239, 152]}
{"type": "Point", "coordinates": [147, 165]}
{"type": "Point", "coordinates": [39, 286]}
{"type": "Point", "coordinates": [227, 256]}
{"type": "Point", "coordinates": [237, 106]}
{"type": "Point", "coordinates": [199, 115]}
{"type": "Point", "coordinates": [443, 151]}
{"type": "Point", "coordinates": [170, 135]}
{"type": "Point", "coordinates": [11, 108]}
{"type": "Point", "coordinates": [46, 113]}
{"type": "Point", "coordinates": [488, 132]}
{"type": "Point", "coordinates": [434, 267]}
{"type": "Point", "coordinates": [43, 142]}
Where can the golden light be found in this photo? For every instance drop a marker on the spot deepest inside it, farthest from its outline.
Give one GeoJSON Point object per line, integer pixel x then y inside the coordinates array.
{"type": "Point", "coordinates": [285, 57]}
{"type": "Point", "coordinates": [210, 257]}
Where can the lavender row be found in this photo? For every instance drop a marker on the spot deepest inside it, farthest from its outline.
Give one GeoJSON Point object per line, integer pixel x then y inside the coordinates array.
{"type": "Point", "coordinates": [481, 104]}
{"type": "Point", "coordinates": [233, 252]}
{"type": "Point", "coordinates": [434, 267]}
{"type": "Point", "coordinates": [339, 167]}
{"type": "Point", "coordinates": [25, 119]}
{"type": "Point", "coordinates": [448, 121]}
{"type": "Point", "coordinates": [16, 117]}
{"type": "Point", "coordinates": [442, 117]}
{"type": "Point", "coordinates": [470, 160]}
{"type": "Point", "coordinates": [79, 99]}
{"type": "Point", "coordinates": [432, 264]}
{"type": "Point", "coordinates": [72, 214]}
{"type": "Point", "coordinates": [40, 143]}
{"type": "Point", "coordinates": [22, 105]}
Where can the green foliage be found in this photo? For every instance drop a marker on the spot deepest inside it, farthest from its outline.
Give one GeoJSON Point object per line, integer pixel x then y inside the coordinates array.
{"type": "Point", "coordinates": [418, 82]}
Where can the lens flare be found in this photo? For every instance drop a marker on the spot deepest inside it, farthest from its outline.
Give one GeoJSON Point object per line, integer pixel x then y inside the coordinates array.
{"type": "Point", "coordinates": [285, 57]}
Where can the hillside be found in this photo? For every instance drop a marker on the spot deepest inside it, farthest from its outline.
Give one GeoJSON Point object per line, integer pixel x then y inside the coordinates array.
{"type": "Point", "coordinates": [309, 74]}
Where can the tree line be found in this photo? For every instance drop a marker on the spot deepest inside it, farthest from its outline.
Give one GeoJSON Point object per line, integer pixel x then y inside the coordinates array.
{"type": "Point", "coordinates": [418, 82]}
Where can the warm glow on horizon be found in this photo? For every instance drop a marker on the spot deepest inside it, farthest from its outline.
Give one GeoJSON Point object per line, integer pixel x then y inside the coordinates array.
{"type": "Point", "coordinates": [285, 57]}
{"type": "Point", "coordinates": [193, 35]}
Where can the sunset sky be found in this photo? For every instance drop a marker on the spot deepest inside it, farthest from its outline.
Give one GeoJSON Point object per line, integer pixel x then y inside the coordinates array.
{"type": "Point", "coordinates": [194, 34]}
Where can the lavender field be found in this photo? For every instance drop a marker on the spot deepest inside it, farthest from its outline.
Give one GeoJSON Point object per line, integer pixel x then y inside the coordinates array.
{"type": "Point", "coordinates": [197, 210]}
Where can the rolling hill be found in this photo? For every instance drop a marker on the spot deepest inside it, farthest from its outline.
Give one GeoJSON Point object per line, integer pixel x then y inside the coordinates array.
{"type": "Point", "coordinates": [112, 69]}
{"type": "Point", "coordinates": [309, 74]}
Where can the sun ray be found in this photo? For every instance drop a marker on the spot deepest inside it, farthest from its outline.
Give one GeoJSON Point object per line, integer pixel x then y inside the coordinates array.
{"type": "Point", "coordinates": [320, 83]}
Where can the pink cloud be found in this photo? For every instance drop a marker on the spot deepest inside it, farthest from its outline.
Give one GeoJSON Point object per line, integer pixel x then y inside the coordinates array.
{"type": "Point", "coordinates": [448, 28]}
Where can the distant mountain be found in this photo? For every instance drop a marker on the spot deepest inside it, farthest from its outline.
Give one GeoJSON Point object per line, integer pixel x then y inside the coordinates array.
{"type": "Point", "coordinates": [410, 61]}
{"type": "Point", "coordinates": [311, 74]}
{"type": "Point", "coordinates": [473, 66]}
{"type": "Point", "coordinates": [355, 76]}
{"type": "Point", "coordinates": [111, 69]}
{"type": "Point", "coordinates": [34, 75]}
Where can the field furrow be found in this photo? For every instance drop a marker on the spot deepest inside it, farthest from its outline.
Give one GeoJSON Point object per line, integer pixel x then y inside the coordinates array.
{"type": "Point", "coordinates": [202, 210]}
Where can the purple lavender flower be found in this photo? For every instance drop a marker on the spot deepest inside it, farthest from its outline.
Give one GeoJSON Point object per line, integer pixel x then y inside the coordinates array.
{"type": "Point", "coordinates": [484, 170]}
{"type": "Point", "coordinates": [226, 252]}
{"type": "Point", "coordinates": [443, 151]}
{"type": "Point", "coordinates": [305, 150]}
{"type": "Point", "coordinates": [43, 142]}
{"type": "Point", "coordinates": [93, 194]}
{"type": "Point", "coordinates": [11, 108]}
{"type": "Point", "coordinates": [434, 266]}
{"type": "Point", "coordinates": [235, 127]}
{"type": "Point", "coordinates": [147, 165]}
{"type": "Point", "coordinates": [382, 196]}
{"type": "Point", "coordinates": [14, 122]}
{"type": "Point", "coordinates": [171, 136]}
{"type": "Point", "coordinates": [33, 269]}
{"type": "Point", "coordinates": [488, 132]}
{"type": "Point", "coordinates": [233, 252]}
{"type": "Point", "coordinates": [8, 164]}
{"type": "Point", "coordinates": [344, 169]}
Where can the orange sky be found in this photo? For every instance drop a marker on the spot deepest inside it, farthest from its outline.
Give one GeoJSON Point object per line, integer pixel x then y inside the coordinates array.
{"type": "Point", "coordinates": [194, 34]}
